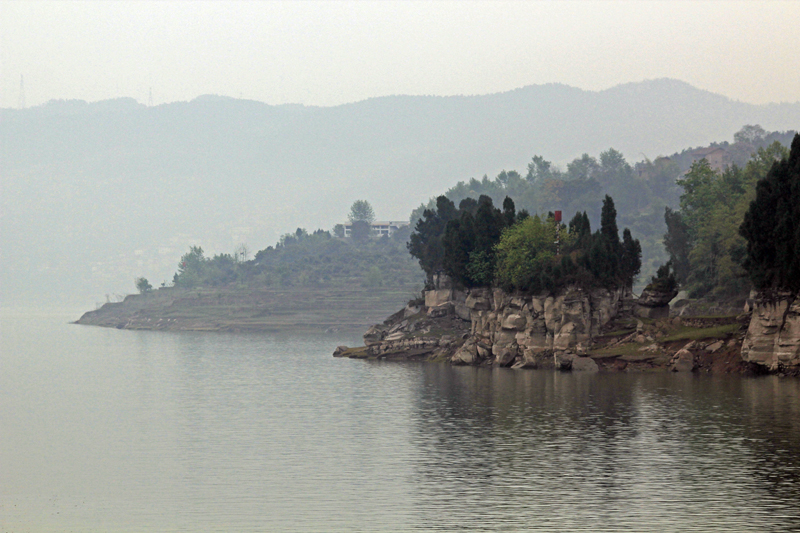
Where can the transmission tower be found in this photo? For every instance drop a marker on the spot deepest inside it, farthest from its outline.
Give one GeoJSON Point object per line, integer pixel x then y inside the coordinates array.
{"type": "Point", "coordinates": [21, 104]}
{"type": "Point", "coordinates": [150, 98]}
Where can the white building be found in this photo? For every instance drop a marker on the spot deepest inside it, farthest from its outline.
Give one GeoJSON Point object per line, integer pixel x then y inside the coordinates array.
{"type": "Point", "coordinates": [379, 227]}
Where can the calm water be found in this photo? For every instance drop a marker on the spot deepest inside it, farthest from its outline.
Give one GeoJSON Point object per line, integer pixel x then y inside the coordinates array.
{"type": "Point", "coordinates": [107, 430]}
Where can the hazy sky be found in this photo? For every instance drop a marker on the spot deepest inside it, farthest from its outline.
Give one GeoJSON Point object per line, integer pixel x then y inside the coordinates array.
{"type": "Point", "coordinates": [327, 53]}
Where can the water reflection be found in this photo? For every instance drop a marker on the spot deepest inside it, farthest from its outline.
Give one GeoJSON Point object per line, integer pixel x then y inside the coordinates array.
{"type": "Point", "coordinates": [542, 450]}
{"type": "Point", "coordinates": [156, 431]}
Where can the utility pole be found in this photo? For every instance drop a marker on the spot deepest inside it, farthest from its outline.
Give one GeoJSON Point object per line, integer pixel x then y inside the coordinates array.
{"type": "Point", "coordinates": [21, 104]}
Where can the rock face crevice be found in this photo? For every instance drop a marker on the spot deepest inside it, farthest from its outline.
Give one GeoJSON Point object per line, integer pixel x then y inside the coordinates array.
{"type": "Point", "coordinates": [489, 326]}
{"type": "Point", "coordinates": [534, 331]}
{"type": "Point", "coordinates": [773, 337]}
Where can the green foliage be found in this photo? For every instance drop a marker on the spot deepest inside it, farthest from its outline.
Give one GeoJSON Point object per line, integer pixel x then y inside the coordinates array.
{"type": "Point", "coordinates": [703, 241]}
{"type": "Point", "coordinates": [425, 243]}
{"type": "Point", "coordinates": [631, 262]}
{"type": "Point", "coordinates": [480, 245]}
{"type": "Point", "coordinates": [678, 244]}
{"type": "Point", "coordinates": [640, 194]}
{"type": "Point", "coordinates": [523, 253]}
{"type": "Point", "coordinates": [361, 211]}
{"type": "Point", "coordinates": [480, 268]}
{"type": "Point", "coordinates": [771, 226]}
{"type": "Point", "coordinates": [303, 259]}
{"type": "Point", "coordinates": [664, 280]}
{"type": "Point", "coordinates": [142, 285]}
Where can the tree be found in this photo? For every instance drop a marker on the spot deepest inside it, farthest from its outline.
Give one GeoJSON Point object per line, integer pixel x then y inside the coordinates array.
{"type": "Point", "coordinates": [142, 285]}
{"type": "Point", "coordinates": [509, 212]}
{"type": "Point", "coordinates": [523, 252]}
{"type": "Point", "coordinates": [360, 231]}
{"type": "Point", "coordinates": [338, 230]}
{"type": "Point", "coordinates": [582, 168]}
{"type": "Point", "coordinates": [458, 242]}
{"type": "Point", "coordinates": [749, 134]}
{"type": "Point", "coordinates": [361, 210]}
{"type": "Point", "coordinates": [771, 227]}
{"type": "Point", "coordinates": [539, 169]}
{"type": "Point", "coordinates": [678, 244]}
{"type": "Point", "coordinates": [702, 239]}
{"type": "Point", "coordinates": [664, 280]}
{"type": "Point", "coordinates": [631, 263]}
{"type": "Point", "coordinates": [425, 242]}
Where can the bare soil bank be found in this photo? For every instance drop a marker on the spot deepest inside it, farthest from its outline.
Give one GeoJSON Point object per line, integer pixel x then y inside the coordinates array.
{"type": "Point", "coordinates": [243, 309]}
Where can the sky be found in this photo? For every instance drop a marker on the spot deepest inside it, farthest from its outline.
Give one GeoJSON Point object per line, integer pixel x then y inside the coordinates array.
{"type": "Point", "coordinates": [330, 53]}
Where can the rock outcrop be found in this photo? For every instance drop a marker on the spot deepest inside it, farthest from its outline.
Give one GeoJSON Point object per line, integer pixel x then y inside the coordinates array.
{"type": "Point", "coordinates": [586, 330]}
{"type": "Point", "coordinates": [490, 326]}
{"type": "Point", "coordinates": [654, 302]}
{"type": "Point", "coordinates": [524, 330]}
{"type": "Point", "coordinates": [773, 337]}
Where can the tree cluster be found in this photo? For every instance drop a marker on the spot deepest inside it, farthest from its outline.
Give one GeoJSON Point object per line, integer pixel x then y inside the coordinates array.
{"type": "Point", "coordinates": [303, 259]}
{"type": "Point", "coordinates": [703, 240]}
{"type": "Point", "coordinates": [481, 245]}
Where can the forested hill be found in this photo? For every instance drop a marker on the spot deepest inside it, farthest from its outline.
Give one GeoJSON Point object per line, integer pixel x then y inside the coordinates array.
{"type": "Point", "coordinates": [95, 194]}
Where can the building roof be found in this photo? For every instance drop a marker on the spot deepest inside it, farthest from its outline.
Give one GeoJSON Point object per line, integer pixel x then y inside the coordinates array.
{"type": "Point", "coordinates": [706, 151]}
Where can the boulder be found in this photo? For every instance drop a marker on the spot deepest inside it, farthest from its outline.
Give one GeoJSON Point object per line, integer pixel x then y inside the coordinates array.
{"type": "Point", "coordinates": [584, 364]}
{"type": "Point", "coordinates": [504, 355]}
{"type": "Point", "coordinates": [437, 297]}
{"type": "Point", "coordinates": [563, 361]}
{"type": "Point", "coordinates": [440, 310]}
{"type": "Point", "coordinates": [466, 355]}
{"type": "Point", "coordinates": [461, 311]}
{"type": "Point", "coordinates": [652, 297]}
{"type": "Point", "coordinates": [477, 302]}
{"type": "Point", "coordinates": [411, 310]}
{"type": "Point", "coordinates": [514, 322]}
{"type": "Point", "coordinates": [714, 346]}
{"type": "Point", "coordinates": [682, 361]}
{"type": "Point", "coordinates": [373, 336]}
{"type": "Point", "coordinates": [339, 351]}
{"type": "Point", "coordinates": [654, 303]}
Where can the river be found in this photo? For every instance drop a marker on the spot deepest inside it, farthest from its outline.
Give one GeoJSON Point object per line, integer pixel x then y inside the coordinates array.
{"type": "Point", "coordinates": [113, 430]}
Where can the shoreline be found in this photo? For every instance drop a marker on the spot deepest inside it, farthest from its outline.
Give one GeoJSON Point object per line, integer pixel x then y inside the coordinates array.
{"type": "Point", "coordinates": [583, 331]}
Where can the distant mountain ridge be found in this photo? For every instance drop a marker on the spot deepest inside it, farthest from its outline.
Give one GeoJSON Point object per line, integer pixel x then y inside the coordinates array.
{"type": "Point", "coordinates": [103, 189]}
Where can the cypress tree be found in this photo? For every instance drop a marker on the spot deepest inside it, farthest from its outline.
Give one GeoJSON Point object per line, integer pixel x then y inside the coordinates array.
{"type": "Point", "coordinates": [631, 257]}
{"type": "Point", "coordinates": [459, 240]}
{"type": "Point", "coordinates": [509, 212]}
{"type": "Point", "coordinates": [771, 227]}
{"type": "Point", "coordinates": [610, 243]}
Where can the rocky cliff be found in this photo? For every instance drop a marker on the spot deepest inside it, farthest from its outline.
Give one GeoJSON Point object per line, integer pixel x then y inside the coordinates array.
{"type": "Point", "coordinates": [521, 330]}
{"type": "Point", "coordinates": [773, 337]}
{"type": "Point", "coordinates": [582, 330]}
{"type": "Point", "coordinates": [490, 326]}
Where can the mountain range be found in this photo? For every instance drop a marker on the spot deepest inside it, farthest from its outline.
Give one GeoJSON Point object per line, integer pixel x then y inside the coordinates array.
{"type": "Point", "coordinates": [94, 194]}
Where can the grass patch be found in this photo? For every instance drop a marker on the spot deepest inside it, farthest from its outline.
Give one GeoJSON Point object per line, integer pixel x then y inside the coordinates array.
{"type": "Point", "coordinates": [618, 333]}
{"type": "Point", "coordinates": [693, 334]}
{"type": "Point", "coordinates": [628, 348]}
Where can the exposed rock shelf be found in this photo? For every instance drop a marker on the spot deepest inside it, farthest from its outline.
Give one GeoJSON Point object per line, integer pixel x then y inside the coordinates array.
{"type": "Point", "coordinates": [582, 330]}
